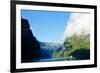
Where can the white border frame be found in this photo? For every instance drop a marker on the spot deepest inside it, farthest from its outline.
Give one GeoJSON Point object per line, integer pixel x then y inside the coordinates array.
{"type": "Point", "coordinates": [20, 65]}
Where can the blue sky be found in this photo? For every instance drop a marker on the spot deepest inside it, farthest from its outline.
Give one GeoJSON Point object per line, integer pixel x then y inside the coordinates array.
{"type": "Point", "coordinates": [47, 26]}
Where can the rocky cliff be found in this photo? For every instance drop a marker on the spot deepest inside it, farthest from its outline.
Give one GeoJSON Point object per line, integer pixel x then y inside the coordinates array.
{"type": "Point", "coordinates": [30, 47]}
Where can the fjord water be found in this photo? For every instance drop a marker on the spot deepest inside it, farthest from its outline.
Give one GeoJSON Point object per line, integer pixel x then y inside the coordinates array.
{"type": "Point", "coordinates": [47, 50]}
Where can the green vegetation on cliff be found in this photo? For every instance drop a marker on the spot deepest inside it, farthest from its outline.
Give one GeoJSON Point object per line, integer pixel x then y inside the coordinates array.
{"type": "Point", "coordinates": [77, 47]}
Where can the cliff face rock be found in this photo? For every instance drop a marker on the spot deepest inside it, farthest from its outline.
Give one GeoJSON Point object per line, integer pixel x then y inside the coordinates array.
{"type": "Point", "coordinates": [81, 54]}
{"type": "Point", "coordinates": [30, 47]}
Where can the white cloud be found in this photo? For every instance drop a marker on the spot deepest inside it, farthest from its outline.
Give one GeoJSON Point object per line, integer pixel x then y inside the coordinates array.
{"type": "Point", "coordinates": [78, 22]}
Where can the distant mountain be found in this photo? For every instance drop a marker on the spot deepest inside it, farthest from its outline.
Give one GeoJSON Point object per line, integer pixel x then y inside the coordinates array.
{"type": "Point", "coordinates": [49, 48]}
{"type": "Point", "coordinates": [48, 45]}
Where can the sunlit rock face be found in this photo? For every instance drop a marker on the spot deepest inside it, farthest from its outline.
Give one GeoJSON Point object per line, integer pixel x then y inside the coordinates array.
{"type": "Point", "coordinates": [78, 23]}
